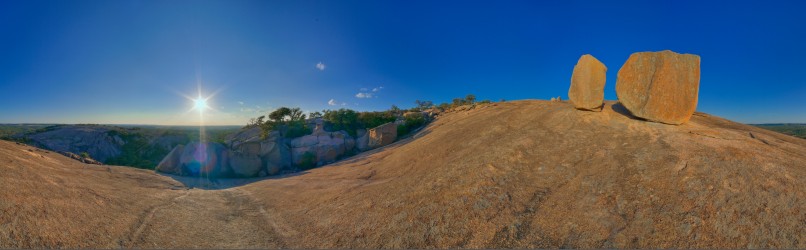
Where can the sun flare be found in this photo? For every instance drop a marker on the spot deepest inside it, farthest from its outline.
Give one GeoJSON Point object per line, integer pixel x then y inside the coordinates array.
{"type": "Point", "coordinates": [201, 104]}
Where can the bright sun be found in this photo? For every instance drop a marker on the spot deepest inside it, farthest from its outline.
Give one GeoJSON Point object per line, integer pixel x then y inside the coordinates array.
{"type": "Point", "coordinates": [201, 104]}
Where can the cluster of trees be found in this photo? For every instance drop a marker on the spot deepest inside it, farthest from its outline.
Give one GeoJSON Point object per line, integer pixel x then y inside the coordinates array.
{"type": "Point", "coordinates": [470, 99]}
{"type": "Point", "coordinates": [291, 121]}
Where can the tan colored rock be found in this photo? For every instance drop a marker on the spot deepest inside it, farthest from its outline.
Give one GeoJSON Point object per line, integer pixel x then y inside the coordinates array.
{"type": "Point", "coordinates": [660, 86]}
{"type": "Point", "coordinates": [382, 135]}
{"type": "Point", "coordinates": [587, 84]}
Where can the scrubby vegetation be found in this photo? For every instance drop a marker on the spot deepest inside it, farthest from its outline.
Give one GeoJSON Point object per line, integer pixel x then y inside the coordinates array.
{"type": "Point", "coordinates": [290, 122]}
{"type": "Point", "coordinates": [308, 161]}
{"type": "Point", "coordinates": [411, 121]}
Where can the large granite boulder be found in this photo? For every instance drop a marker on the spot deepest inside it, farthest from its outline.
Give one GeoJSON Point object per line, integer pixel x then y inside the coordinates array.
{"type": "Point", "coordinates": [382, 135]}
{"type": "Point", "coordinates": [327, 146]}
{"type": "Point", "coordinates": [362, 140]}
{"type": "Point", "coordinates": [660, 86]}
{"type": "Point", "coordinates": [171, 163]}
{"type": "Point", "coordinates": [245, 165]}
{"type": "Point", "coordinates": [587, 84]}
{"type": "Point", "coordinates": [204, 159]}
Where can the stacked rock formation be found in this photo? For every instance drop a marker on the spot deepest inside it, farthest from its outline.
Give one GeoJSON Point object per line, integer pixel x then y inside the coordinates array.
{"type": "Point", "coordinates": [660, 86]}
{"type": "Point", "coordinates": [587, 84]}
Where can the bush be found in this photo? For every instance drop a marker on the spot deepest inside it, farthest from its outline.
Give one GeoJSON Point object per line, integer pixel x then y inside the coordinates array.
{"type": "Point", "coordinates": [374, 119]}
{"type": "Point", "coordinates": [290, 122]}
{"type": "Point", "coordinates": [342, 119]}
{"type": "Point", "coordinates": [410, 122]}
{"type": "Point", "coordinates": [308, 161]}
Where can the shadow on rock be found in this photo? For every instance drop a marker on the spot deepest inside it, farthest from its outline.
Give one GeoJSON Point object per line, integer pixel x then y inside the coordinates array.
{"type": "Point", "coordinates": [619, 108]}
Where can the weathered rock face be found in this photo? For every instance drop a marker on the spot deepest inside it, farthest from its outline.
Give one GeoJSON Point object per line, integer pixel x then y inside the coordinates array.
{"type": "Point", "coordinates": [100, 142]}
{"type": "Point", "coordinates": [204, 159]}
{"type": "Point", "coordinates": [362, 140]}
{"type": "Point", "coordinates": [382, 135]}
{"type": "Point", "coordinates": [171, 163]}
{"type": "Point", "coordinates": [587, 84]}
{"type": "Point", "coordinates": [245, 165]}
{"type": "Point", "coordinates": [660, 86]}
{"type": "Point", "coordinates": [327, 146]}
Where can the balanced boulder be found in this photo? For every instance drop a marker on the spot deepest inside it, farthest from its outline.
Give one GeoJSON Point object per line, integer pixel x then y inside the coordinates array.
{"type": "Point", "coordinates": [587, 84]}
{"type": "Point", "coordinates": [660, 86]}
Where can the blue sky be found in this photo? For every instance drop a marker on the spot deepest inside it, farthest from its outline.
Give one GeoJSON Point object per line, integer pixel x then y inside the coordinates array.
{"type": "Point", "coordinates": [131, 61]}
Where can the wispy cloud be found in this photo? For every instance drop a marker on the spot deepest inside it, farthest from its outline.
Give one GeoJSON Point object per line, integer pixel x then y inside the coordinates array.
{"type": "Point", "coordinates": [365, 93]}
{"type": "Point", "coordinates": [333, 102]}
{"type": "Point", "coordinates": [240, 102]}
{"type": "Point", "coordinates": [321, 66]}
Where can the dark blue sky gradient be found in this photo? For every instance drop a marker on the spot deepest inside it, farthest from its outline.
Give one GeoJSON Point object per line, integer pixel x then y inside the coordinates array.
{"type": "Point", "coordinates": [129, 61]}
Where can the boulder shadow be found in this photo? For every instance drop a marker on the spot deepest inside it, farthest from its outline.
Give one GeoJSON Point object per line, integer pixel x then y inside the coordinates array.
{"type": "Point", "coordinates": [619, 108]}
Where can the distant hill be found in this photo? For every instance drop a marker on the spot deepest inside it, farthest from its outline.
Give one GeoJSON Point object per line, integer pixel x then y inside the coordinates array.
{"type": "Point", "coordinates": [141, 146]}
{"type": "Point", "coordinates": [522, 174]}
{"type": "Point", "coordinates": [793, 129]}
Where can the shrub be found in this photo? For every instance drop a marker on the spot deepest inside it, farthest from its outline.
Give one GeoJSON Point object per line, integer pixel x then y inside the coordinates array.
{"type": "Point", "coordinates": [374, 119]}
{"type": "Point", "coordinates": [308, 161]}
{"type": "Point", "coordinates": [410, 122]}
{"type": "Point", "coordinates": [289, 121]}
{"type": "Point", "coordinates": [342, 119]}
{"type": "Point", "coordinates": [85, 155]}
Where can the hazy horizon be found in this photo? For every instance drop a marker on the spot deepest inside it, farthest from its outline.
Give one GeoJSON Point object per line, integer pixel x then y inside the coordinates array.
{"type": "Point", "coordinates": [133, 62]}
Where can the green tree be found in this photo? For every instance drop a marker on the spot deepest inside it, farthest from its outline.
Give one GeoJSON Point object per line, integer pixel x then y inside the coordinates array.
{"type": "Point", "coordinates": [315, 114]}
{"type": "Point", "coordinates": [342, 119]}
{"type": "Point", "coordinates": [470, 99]}
{"type": "Point", "coordinates": [423, 104]}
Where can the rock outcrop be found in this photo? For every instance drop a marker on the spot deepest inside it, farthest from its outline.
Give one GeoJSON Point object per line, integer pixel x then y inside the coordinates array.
{"type": "Point", "coordinates": [204, 159]}
{"type": "Point", "coordinates": [82, 159]}
{"type": "Point", "coordinates": [660, 86]}
{"type": "Point", "coordinates": [362, 140]}
{"type": "Point", "coordinates": [327, 146]}
{"type": "Point", "coordinates": [382, 135]}
{"type": "Point", "coordinates": [100, 142]}
{"type": "Point", "coordinates": [587, 84]}
{"type": "Point", "coordinates": [251, 153]}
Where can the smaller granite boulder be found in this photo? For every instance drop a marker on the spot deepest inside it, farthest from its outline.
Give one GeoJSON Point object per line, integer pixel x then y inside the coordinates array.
{"type": "Point", "coordinates": [382, 135]}
{"type": "Point", "coordinates": [587, 84]}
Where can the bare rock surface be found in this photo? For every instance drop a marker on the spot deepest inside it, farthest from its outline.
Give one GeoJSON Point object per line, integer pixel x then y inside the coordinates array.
{"type": "Point", "coordinates": [100, 142]}
{"type": "Point", "coordinates": [519, 174]}
{"type": "Point", "coordinates": [587, 84]}
{"type": "Point", "coordinates": [660, 86]}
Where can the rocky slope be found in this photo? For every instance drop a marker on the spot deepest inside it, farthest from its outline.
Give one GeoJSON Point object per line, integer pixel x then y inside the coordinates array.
{"type": "Point", "coordinates": [527, 174]}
